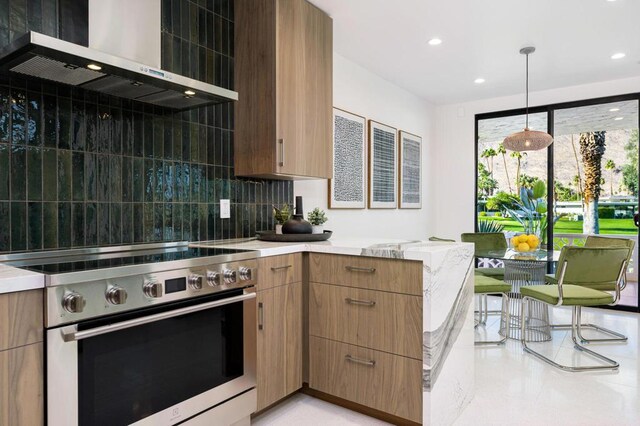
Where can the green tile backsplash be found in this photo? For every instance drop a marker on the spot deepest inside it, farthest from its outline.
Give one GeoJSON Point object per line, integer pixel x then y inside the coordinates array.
{"type": "Point", "coordinates": [81, 169]}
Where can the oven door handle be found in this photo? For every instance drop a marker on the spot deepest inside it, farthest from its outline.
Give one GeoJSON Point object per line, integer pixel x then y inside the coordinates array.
{"type": "Point", "coordinates": [71, 333]}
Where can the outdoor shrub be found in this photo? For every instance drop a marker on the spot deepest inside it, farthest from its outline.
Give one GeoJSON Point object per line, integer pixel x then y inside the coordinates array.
{"type": "Point", "coordinates": [606, 212]}
{"type": "Point", "coordinates": [482, 214]}
{"type": "Point", "coordinates": [498, 214]}
{"type": "Point", "coordinates": [502, 201]}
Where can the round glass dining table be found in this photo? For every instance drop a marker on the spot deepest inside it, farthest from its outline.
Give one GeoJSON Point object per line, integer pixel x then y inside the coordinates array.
{"type": "Point", "coordinates": [522, 269]}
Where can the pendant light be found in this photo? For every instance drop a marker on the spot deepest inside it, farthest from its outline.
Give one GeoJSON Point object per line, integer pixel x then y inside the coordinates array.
{"type": "Point", "coordinates": [527, 140]}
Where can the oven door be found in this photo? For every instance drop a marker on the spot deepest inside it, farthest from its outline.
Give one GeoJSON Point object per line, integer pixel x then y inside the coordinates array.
{"type": "Point", "coordinates": [160, 366]}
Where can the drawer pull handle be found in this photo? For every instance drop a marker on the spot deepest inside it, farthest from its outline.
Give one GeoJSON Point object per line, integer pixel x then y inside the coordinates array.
{"type": "Point", "coordinates": [357, 269]}
{"type": "Point", "coordinates": [360, 302]}
{"type": "Point", "coordinates": [278, 268]}
{"type": "Point", "coordinates": [260, 316]}
{"type": "Point", "coordinates": [350, 358]}
{"type": "Point", "coordinates": [281, 143]}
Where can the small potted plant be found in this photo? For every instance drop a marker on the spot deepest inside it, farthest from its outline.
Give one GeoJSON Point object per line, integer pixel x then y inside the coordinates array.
{"type": "Point", "coordinates": [281, 215]}
{"type": "Point", "coordinates": [317, 218]}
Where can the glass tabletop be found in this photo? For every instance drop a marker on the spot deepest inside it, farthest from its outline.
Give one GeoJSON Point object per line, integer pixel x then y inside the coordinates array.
{"type": "Point", "coordinates": [510, 254]}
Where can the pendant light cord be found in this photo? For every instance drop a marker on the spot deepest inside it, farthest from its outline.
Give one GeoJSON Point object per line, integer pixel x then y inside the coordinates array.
{"type": "Point", "coordinates": [527, 94]}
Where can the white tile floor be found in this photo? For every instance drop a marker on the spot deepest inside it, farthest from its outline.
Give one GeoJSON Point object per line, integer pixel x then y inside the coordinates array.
{"type": "Point", "coordinates": [513, 388]}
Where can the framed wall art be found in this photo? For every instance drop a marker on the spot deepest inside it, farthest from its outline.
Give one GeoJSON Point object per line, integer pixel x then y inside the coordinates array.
{"type": "Point", "coordinates": [383, 166]}
{"type": "Point", "coordinates": [347, 189]}
{"type": "Point", "coordinates": [410, 171]}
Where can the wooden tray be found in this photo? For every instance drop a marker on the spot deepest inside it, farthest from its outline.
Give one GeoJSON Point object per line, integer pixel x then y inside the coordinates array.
{"type": "Point", "coordinates": [293, 238]}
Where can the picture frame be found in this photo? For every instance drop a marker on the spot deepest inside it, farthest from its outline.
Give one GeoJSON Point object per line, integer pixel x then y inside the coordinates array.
{"type": "Point", "coordinates": [409, 171]}
{"type": "Point", "coordinates": [383, 166]}
{"type": "Point", "coordinates": [348, 187]}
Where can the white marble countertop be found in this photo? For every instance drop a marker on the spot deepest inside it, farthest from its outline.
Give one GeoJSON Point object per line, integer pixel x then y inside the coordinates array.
{"type": "Point", "coordinates": [374, 247]}
{"type": "Point", "coordinates": [16, 279]}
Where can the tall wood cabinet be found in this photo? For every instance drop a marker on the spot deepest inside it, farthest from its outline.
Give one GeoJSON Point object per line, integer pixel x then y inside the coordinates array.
{"type": "Point", "coordinates": [21, 359]}
{"type": "Point", "coordinates": [279, 336]}
{"type": "Point", "coordinates": [284, 77]}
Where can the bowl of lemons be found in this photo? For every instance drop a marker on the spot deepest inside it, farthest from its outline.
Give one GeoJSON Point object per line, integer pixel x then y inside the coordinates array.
{"type": "Point", "coordinates": [525, 243]}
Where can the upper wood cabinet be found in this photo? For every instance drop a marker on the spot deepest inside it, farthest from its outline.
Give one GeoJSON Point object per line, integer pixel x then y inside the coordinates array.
{"type": "Point", "coordinates": [284, 78]}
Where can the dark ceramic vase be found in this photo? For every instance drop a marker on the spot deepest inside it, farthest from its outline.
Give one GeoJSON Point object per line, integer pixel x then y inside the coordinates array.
{"type": "Point", "coordinates": [297, 224]}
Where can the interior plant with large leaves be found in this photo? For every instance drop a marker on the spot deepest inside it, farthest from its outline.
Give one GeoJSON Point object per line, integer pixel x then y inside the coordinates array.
{"type": "Point", "coordinates": [531, 211]}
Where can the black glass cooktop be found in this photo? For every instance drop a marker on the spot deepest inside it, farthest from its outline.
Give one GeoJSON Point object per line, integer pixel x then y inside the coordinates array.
{"type": "Point", "coordinates": [77, 263]}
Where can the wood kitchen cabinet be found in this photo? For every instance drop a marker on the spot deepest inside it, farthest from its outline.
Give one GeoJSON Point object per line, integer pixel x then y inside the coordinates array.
{"type": "Point", "coordinates": [21, 359]}
{"type": "Point", "coordinates": [365, 332]}
{"type": "Point", "coordinates": [284, 77]}
{"type": "Point", "coordinates": [279, 335]}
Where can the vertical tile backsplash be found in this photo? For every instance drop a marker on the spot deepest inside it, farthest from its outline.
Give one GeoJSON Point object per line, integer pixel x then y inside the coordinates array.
{"type": "Point", "coordinates": [82, 169]}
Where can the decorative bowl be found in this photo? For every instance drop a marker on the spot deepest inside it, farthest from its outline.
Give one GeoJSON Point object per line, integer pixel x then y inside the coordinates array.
{"type": "Point", "coordinates": [525, 243]}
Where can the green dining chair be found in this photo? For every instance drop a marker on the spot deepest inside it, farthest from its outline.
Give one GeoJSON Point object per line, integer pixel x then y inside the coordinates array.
{"type": "Point", "coordinates": [598, 241]}
{"type": "Point", "coordinates": [485, 241]}
{"type": "Point", "coordinates": [581, 275]}
{"type": "Point", "coordinates": [484, 286]}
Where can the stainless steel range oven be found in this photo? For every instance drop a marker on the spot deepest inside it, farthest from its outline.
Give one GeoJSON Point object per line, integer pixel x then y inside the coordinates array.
{"type": "Point", "coordinates": [155, 341]}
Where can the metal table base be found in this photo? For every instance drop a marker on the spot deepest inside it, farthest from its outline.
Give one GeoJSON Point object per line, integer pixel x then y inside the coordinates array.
{"type": "Point", "coordinates": [519, 273]}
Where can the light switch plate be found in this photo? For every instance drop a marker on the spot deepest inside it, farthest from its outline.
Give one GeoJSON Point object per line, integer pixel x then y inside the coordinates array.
{"type": "Point", "coordinates": [225, 209]}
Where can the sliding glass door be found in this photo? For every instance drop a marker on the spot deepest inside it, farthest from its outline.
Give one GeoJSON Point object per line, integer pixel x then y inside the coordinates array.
{"type": "Point", "coordinates": [591, 173]}
{"type": "Point", "coordinates": [595, 171]}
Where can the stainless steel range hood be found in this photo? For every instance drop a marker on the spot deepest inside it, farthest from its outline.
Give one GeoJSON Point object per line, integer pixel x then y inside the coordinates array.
{"type": "Point", "coordinates": [116, 72]}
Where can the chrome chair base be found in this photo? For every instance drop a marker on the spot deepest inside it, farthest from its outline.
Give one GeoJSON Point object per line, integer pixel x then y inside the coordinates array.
{"type": "Point", "coordinates": [505, 312]}
{"type": "Point", "coordinates": [617, 336]}
{"type": "Point", "coordinates": [575, 324]}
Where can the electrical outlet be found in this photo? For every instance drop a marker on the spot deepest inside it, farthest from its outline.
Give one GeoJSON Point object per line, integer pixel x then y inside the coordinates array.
{"type": "Point", "coordinates": [225, 209]}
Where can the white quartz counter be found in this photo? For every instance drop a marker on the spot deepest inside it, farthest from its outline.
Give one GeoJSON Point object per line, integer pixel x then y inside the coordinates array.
{"type": "Point", "coordinates": [15, 279]}
{"type": "Point", "coordinates": [448, 348]}
{"type": "Point", "coordinates": [374, 247]}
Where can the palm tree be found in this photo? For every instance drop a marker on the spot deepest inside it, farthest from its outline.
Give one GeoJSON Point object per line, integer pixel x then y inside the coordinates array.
{"type": "Point", "coordinates": [503, 152]}
{"type": "Point", "coordinates": [577, 182]}
{"type": "Point", "coordinates": [488, 155]}
{"type": "Point", "coordinates": [518, 156]}
{"type": "Point", "coordinates": [592, 148]}
{"type": "Point", "coordinates": [611, 166]}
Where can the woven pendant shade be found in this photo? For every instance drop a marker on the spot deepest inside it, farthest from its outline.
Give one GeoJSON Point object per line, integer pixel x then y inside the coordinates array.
{"type": "Point", "coordinates": [527, 140]}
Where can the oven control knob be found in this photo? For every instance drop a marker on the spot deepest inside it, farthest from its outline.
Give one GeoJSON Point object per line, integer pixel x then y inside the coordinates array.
{"type": "Point", "coordinates": [116, 295]}
{"type": "Point", "coordinates": [73, 302]}
{"type": "Point", "coordinates": [153, 289]}
{"type": "Point", "coordinates": [213, 278]}
{"type": "Point", "coordinates": [245, 273]}
{"type": "Point", "coordinates": [195, 281]}
{"type": "Point", "coordinates": [229, 276]}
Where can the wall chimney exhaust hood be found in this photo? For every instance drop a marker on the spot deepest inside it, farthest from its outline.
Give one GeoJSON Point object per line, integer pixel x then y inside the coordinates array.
{"type": "Point", "coordinates": [121, 60]}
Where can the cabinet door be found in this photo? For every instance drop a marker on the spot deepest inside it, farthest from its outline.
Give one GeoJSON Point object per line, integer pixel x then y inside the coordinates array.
{"type": "Point", "coordinates": [21, 386]}
{"type": "Point", "coordinates": [279, 357]}
{"type": "Point", "coordinates": [304, 99]}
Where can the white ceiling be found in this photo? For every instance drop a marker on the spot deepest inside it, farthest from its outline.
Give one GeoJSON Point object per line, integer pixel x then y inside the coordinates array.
{"type": "Point", "coordinates": [574, 41]}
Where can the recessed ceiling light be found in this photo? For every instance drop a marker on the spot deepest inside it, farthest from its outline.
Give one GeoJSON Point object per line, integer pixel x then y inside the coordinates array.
{"type": "Point", "coordinates": [614, 109]}
{"type": "Point", "coordinates": [189, 92]}
{"type": "Point", "coordinates": [618, 118]}
{"type": "Point", "coordinates": [435, 41]}
{"type": "Point", "coordinates": [618, 55]}
{"type": "Point", "coordinates": [479, 80]}
{"type": "Point", "coordinates": [94, 67]}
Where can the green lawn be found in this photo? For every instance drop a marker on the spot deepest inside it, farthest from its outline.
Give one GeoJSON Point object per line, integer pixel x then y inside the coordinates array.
{"type": "Point", "coordinates": [564, 226]}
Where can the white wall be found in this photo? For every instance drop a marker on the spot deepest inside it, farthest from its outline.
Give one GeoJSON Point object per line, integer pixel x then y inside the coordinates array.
{"type": "Point", "coordinates": [359, 91]}
{"type": "Point", "coordinates": [453, 147]}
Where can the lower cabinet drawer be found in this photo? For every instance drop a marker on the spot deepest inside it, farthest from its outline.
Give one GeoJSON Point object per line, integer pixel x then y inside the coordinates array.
{"type": "Point", "coordinates": [378, 380]}
{"type": "Point", "coordinates": [388, 322]}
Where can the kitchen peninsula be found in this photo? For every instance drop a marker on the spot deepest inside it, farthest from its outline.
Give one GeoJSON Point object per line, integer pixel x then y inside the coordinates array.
{"type": "Point", "coordinates": [446, 291]}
